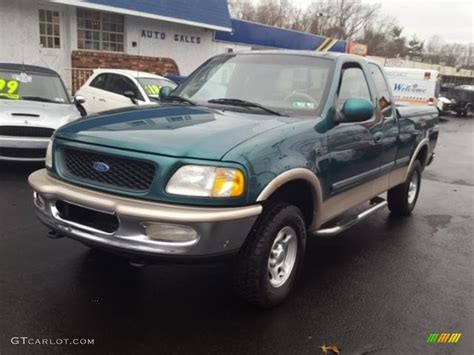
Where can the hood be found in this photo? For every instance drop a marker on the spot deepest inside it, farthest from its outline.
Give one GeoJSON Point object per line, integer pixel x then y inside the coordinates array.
{"type": "Point", "coordinates": [179, 131]}
{"type": "Point", "coordinates": [34, 113]}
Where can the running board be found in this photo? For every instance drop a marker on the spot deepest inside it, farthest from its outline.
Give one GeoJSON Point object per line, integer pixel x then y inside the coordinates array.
{"type": "Point", "coordinates": [341, 226]}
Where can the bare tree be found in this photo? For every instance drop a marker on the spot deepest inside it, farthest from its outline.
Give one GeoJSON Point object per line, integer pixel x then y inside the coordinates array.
{"type": "Point", "coordinates": [342, 19]}
{"type": "Point", "coordinates": [453, 54]}
{"type": "Point", "coordinates": [354, 21]}
{"type": "Point", "coordinates": [280, 13]}
{"type": "Point", "coordinates": [376, 35]}
{"type": "Point", "coordinates": [433, 50]}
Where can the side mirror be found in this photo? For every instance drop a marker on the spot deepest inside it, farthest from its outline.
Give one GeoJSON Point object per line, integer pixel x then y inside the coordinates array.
{"type": "Point", "coordinates": [356, 110]}
{"type": "Point", "coordinates": [132, 96]}
{"type": "Point", "coordinates": [165, 92]}
{"type": "Point", "coordinates": [79, 99]}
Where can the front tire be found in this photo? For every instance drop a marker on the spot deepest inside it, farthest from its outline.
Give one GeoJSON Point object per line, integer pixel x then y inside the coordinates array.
{"type": "Point", "coordinates": [402, 198]}
{"type": "Point", "coordinates": [271, 258]}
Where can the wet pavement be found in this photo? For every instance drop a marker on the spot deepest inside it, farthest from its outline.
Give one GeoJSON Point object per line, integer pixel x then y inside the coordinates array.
{"type": "Point", "coordinates": [380, 287]}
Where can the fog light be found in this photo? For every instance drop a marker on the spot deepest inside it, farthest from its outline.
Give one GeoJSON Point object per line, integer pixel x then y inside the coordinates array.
{"type": "Point", "coordinates": [38, 200]}
{"type": "Point", "coordinates": [171, 233]}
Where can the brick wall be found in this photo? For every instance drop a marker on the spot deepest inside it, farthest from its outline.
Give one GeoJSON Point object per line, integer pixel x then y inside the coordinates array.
{"type": "Point", "coordinates": [83, 60]}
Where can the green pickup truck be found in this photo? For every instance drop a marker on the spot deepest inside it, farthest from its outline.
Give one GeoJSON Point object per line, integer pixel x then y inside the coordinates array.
{"type": "Point", "coordinates": [251, 155]}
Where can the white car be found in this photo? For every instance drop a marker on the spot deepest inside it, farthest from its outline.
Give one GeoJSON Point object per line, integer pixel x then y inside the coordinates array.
{"type": "Point", "coordinates": [33, 104]}
{"type": "Point", "coordinates": [109, 89]}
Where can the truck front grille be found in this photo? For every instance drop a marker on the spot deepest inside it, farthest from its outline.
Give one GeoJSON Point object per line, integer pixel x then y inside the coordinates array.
{"type": "Point", "coordinates": [125, 173]}
{"type": "Point", "coordinates": [21, 131]}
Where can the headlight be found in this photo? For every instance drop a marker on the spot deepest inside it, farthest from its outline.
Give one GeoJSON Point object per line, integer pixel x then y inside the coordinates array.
{"type": "Point", "coordinates": [49, 156]}
{"type": "Point", "coordinates": [206, 181]}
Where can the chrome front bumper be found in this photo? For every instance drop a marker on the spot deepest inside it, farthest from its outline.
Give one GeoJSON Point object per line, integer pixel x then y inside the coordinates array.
{"type": "Point", "coordinates": [218, 230]}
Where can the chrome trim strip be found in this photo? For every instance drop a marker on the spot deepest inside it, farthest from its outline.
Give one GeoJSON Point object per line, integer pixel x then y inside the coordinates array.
{"type": "Point", "coordinates": [386, 168]}
{"type": "Point", "coordinates": [45, 184]}
{"type": "Point", "coordinates": [353, 180]}
{"type": "Point", "coordinates": [22, 159]}
{"type": "Point", "coordinates": [402, 161]}
{"type": "Point", "coordinates": [346, 200]}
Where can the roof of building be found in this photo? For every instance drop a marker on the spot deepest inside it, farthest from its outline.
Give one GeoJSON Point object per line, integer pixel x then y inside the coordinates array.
{"type": "Point", "coordinates": [212, 14]}
{"type": "Point", "coordinates": [259, 35]}
{"type": "Point", "coordinates": [27, 68]}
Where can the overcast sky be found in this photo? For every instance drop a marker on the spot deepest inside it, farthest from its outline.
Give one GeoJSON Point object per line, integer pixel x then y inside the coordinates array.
{"type": "Point", "coordinates": [450, 19]}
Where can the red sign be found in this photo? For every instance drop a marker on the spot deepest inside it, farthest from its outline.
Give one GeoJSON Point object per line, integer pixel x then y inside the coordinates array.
{"type": "Point", "coordinates": [357, 49]}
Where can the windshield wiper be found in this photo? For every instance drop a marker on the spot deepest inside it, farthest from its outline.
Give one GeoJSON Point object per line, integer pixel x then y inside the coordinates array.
{"type": "Point", "coordinates": [37, 98]}
{"type": "Point", "coordinates": [178, 99]}
{"type": "Point", "coordinates": [243, 103]}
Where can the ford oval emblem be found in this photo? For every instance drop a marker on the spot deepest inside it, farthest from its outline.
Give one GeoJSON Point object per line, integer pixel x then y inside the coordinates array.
{"type": "Point", "coordinates": [101, 167]}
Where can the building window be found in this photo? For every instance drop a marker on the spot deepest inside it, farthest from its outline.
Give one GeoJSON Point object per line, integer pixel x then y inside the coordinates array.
{"type": "Point", "coordinates": [49, 29]}
{"type": "Point", "coordinates": [100, 31]}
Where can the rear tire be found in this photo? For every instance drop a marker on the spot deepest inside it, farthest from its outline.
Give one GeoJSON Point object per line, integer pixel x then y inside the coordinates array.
{"type": "Point", "coordinates": [272, 256]}
{"type": "Point", "coordinates": [468, 111]}
{"type": "Point", "coordinates": [402, 198]}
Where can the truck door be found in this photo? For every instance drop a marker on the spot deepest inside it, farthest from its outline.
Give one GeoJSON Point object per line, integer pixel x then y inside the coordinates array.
{"type": "Point", "coordinates": [355, 149]}
{"type": "Point", "coordinates": [386, 107]}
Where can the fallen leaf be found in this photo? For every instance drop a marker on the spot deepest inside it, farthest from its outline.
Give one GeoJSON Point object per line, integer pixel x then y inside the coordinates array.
{"type": "Point", "coordinates": [332, 348]}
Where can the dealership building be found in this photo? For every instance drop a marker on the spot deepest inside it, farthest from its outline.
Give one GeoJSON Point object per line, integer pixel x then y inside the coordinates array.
{"type": "Point", "coordinates": [164, 37]}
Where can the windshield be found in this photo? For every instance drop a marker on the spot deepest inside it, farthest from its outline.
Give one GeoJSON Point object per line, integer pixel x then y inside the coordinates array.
{"type": "Point", "coordinates": [17, 85]}
{"type": "Point", "coordinates": [292, 84]}
{"type": "Point", "coordinates": [152, 86]}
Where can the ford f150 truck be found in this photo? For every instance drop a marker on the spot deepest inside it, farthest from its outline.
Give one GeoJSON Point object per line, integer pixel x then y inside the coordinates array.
{"type": "Point", "coordinates": [254, 153]}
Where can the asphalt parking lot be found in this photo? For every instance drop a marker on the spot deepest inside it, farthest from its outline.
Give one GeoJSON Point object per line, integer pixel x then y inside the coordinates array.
{"type": "Point", "coordinates": [380, 287]}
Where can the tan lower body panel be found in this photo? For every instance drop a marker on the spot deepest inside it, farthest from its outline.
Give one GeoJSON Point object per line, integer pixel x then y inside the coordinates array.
{"type": "Point", "coordinates": [344, 201]}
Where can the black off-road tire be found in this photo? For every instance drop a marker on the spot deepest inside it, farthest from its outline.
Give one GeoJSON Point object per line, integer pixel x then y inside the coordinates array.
{"type": "Point", "coordinates": [398, 199]}
{"type": "Point", "coordinates": [251, 274]}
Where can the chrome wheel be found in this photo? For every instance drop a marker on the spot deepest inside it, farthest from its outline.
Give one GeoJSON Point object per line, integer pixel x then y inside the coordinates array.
{"type": "Point", "coordinates": [282, 257]}
{"type": "Point", "coordinates": [413, 188]}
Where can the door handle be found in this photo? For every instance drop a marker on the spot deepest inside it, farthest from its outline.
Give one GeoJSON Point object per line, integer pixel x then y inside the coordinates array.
{"type": "Point", "coordinates": [103, 100]}
{"type": "Point", "coordinates": [378, 137]}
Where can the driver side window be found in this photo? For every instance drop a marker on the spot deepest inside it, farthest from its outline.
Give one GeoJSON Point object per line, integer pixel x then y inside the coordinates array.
{"type": "Point", "coordinates": [353, 84]}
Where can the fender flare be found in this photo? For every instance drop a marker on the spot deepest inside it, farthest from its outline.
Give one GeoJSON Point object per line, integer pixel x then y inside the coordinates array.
{"type": "Point", "coordinates": [419, 147]}
{"type": "Point", "coordinates": [292, 175]}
